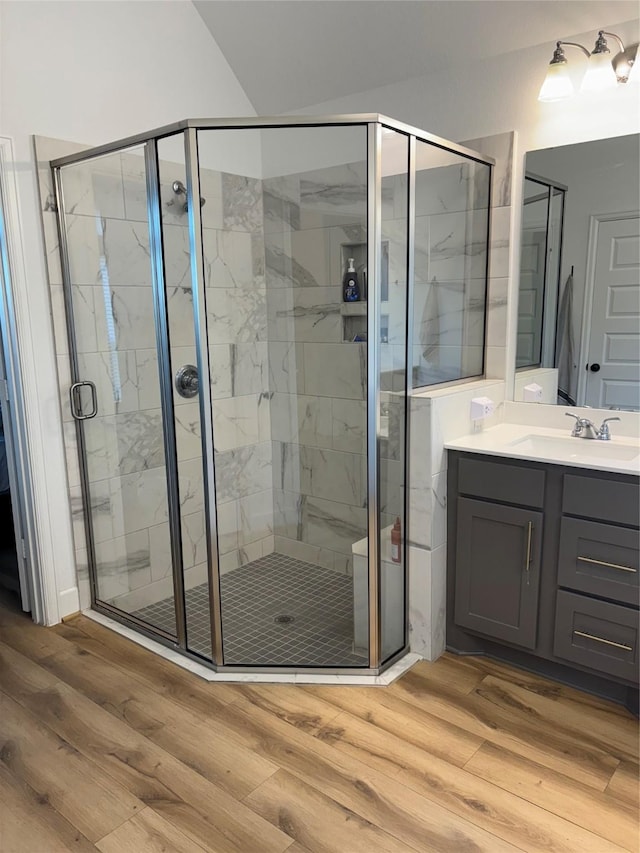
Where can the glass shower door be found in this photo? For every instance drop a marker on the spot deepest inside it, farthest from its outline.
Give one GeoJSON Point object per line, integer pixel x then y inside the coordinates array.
{"type": "Point", "coordinates": [117, 396]}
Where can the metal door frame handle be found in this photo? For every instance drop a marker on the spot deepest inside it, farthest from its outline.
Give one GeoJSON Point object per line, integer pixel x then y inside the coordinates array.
{"type": "Point", "coordinates": [76, 410]}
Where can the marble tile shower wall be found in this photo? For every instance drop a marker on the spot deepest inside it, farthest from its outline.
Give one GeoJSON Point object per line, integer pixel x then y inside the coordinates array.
{"type": "Point", "coordinates": [317, 380]}
{"type": "Point", "coordinates": [450, 272]}
{"type": "Point", "coordinates": [124, 444]}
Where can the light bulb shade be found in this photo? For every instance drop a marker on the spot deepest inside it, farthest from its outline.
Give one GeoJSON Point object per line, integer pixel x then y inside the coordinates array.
{"type": "Point", "coordinates": [557, 84]}
{"type": "Point", "coordinates": [600, 74]}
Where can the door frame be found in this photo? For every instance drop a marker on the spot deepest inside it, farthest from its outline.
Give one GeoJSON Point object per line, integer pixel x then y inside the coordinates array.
{"type": "Point", "coordinates": [589, 287]}
{"type": "Point", "coordinates": [38, 591]}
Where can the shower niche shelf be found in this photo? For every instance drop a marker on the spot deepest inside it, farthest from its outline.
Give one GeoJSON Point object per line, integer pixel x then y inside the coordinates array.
{"type": "Point", "coordinates": [354, 314]}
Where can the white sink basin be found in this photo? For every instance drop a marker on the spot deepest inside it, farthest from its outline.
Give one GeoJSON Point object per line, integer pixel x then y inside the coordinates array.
{"type": "Point", "coordinates": [574, 448]}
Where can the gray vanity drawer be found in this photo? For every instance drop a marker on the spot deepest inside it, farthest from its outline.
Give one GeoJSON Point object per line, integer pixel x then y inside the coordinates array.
{"type": "Point", "coordinates": [598, 635]}
{"type": "Point", "coordinates": [606, 500]}
{"type": "Point", "coordinates": [601, 559]}
{"type": "Point", "coordinates": [513, 484]}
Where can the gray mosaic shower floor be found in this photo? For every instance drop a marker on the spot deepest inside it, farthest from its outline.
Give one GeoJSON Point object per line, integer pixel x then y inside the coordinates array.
{"type": "Point", "coordinates": [319, 601]}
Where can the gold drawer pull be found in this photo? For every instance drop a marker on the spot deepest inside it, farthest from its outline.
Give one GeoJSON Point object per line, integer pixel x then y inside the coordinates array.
{"type": "Point", "coordinates": [602, 640]}
{"type": "Point", "coordinates": [608, 565]}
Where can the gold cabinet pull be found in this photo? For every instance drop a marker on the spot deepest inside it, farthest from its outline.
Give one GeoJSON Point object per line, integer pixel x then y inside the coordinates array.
{"type": "Point", "coordinates": [608, 565]}
{"type": "Point", "coordinates": [529, 538]}
{"type": "Point", "coordinates": [602, 640]}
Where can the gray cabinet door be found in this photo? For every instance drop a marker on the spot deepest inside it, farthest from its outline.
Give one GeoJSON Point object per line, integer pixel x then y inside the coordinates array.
{"type": "Point", "coordinates": [498, 570]}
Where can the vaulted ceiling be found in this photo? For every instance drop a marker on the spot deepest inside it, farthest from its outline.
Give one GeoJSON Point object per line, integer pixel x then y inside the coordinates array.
{"type": "Point", "coordinates": [288, 54]}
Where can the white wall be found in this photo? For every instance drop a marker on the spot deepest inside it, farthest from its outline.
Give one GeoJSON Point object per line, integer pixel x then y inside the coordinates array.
{"type": "Point", "coordinates": [90, 72]}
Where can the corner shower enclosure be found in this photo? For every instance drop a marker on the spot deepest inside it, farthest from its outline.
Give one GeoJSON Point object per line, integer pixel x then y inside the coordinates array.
{"type": "Point", "coordinates": [242, 430]}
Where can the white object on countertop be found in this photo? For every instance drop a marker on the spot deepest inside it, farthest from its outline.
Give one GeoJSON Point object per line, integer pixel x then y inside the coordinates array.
{"type": "Point", "coordinates": [532, 393]}
{"type": "Point", "coordinates": [482, 407]}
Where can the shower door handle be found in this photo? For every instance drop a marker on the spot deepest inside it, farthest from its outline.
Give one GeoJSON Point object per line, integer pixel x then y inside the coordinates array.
{"type": "Point", "coordinates": [76, 402]}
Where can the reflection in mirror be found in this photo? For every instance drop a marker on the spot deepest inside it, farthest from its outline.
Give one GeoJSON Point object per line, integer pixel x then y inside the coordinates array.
{"type": "Point", "coordinates": [579, 297]}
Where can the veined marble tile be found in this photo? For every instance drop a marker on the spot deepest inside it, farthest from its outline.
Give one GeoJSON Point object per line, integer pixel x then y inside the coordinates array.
{"type": "Point", "coordinates": [240, 421]}
{"type": "Point", "coordinates": [188, 432]}
{"type": "Point", "coordinates": [195, 576]}
{"type": "Point", "coordinates": [70, 436]}
{"type": "Point", "coordinates": [160, 551]}
{"type": "Point", "coordinates": [499, 242]}
{"type": "Point", "coordinates": [443, 189]}
{"type": "Point", "coordinates": [311, 259]}
{"type": "Point", "coordinates": [497, 312]}
{"type": "Point", "coordinates": [241, 203]}
{"type": "Point", "coordinates": [303, 420]}
{"type": "Point", "coordinates": [194, 543]}
{"type": "Point", "coordinates": [255, 517]}
{"type": "Point", "coordinates": [334, 195]}
{"type": "Point", "coordinates": [124, 318]}
{"type": "Point", "coordinates": [305, 314]}
{"type": "Point", "coordinates": [116, 378]}
{"type": "Point", "coordinates": [249, 368]}
{"type": "Point", "coordinates": [134, 185]}
{"type": "Point", "coordinates": [123, 564]}
{"type": "Point", "coordinates": [52, 247]}
{"type": "Point", "coordinates": [281, 201]}
{"type": "Point", "coordinates": [328, 474]}
{"type": "Point", "coordinates": [236, 315]}
{"type": "Point", "coordinates": [286, 367]}
{"type": "Point", "coordinates": [439, 505]}
{"type": "Point", "coordinates": [335, 370]}
{"type": "Point", "coordinates": [127, 253]}
{"type": "Point", "coordinates": [391, 487]}
{"type": "Point", "coordinates": [94, 187]}
{"type": "Point", "coordinates": [458, 245]}
{"type": "Point", "coordinates": [243, 471]}
{"type": "Point", "coordinates": [139, 500]}
{"type": "Point", "coordinates": [181, 316]}
{"type": "Point", "coordinates": [148, 378]}
{"type": "Point", "coordinates": [124, 444]}
{"type": "Point", "coordinates": [500, 147]}
{"type": "Point", "coordinates": [63, 365]}
{"type": "Point", "coordinates": [227, 521]}
{"type": "Point", "coordinates": [177, 255]}
{"type": "Point", "coordinates": [105, 510]}
{"type": "Point", "coordinates": [228, 259]}
{"type": "Point", "coordinates": [191, 486]}
{"type": "Point", "coordinates": [332, 525]}
{"type": "Point", "coordinates": [220, 370]}
{"type": "Point", "coordinates": [84, 316]}
{"type": "Point", "coordinates": [349, 425]}
{"type": "Point", "coordinates": [211, 190]}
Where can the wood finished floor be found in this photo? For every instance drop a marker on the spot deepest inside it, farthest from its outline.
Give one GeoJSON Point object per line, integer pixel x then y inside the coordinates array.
{"type": "Point", "coordinates": [104, 746]}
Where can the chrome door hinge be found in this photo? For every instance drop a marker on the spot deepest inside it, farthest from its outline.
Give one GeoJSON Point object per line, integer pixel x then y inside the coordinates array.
{"type": "Point", "coordinates": [5, 390]}
{"type": "Point", "coordinates": [24, 549]}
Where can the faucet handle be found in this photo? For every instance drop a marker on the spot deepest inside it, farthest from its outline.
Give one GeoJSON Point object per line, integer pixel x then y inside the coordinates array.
{"type": "Point", "coordinates": [603, 432]}
{"type": "Point", "coordinates": [577, 427]}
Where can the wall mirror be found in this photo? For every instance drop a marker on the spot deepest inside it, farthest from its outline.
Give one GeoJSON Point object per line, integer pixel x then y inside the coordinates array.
{"type": "Point", "coordinates": [578, 339]}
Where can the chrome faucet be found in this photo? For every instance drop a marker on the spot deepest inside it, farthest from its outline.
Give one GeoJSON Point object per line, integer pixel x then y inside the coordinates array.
{"type": "Point", "coordinates": [584, 428]}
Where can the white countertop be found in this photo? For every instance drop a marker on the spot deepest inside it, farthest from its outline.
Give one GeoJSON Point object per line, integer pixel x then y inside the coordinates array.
{"type": "Point", "coordinates": [542, 444]}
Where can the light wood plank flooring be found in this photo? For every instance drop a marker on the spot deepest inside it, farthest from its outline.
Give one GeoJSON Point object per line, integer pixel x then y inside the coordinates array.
{"type": "Point", "coordinates": [104, 746]}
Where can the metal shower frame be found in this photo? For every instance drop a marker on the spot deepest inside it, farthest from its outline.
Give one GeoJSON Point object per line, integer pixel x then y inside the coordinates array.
{"type": "Point", "coordinates": [374, 123]}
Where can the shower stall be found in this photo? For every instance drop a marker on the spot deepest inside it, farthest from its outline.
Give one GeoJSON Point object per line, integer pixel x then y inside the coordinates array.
{"type": "Point", "coordinates": [243, 430]}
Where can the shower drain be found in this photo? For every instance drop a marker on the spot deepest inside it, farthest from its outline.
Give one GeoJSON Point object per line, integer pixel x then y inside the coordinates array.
{"type": "Point", "coordinates": [284, 619]}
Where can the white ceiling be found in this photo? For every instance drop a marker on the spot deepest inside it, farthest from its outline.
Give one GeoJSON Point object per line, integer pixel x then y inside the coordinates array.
{"type": "Point", "coordinates": [289, 54]}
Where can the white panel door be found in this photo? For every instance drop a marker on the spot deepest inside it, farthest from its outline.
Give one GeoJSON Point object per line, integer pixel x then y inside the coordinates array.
{"type": "Point", "coordinates": [613, 358]}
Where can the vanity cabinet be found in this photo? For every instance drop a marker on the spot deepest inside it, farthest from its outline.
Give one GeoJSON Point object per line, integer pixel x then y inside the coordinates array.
{"type": "Point", "coordinates": [544, 568]}
{"type": "Point", "coordinates": [497, 570]}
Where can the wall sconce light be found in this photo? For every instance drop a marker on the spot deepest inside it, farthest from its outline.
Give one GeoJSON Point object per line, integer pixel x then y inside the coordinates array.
{"type": "Point", "coordinates": [603, 70]}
